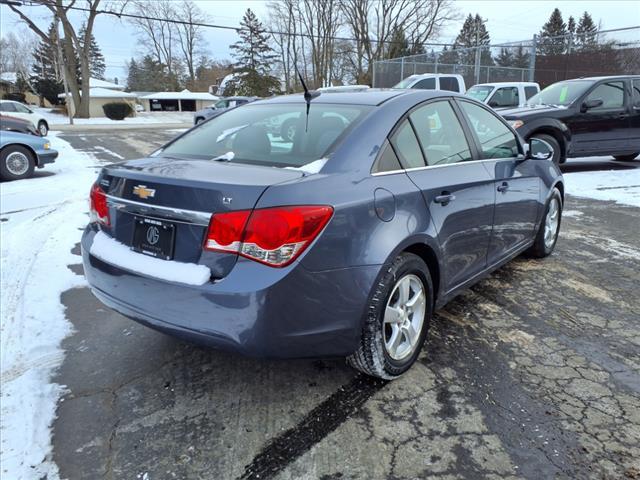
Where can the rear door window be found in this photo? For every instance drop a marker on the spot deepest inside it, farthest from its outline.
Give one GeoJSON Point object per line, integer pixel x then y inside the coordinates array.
{"type": "Point", "coordinates": [496, 139]}
{"type": "Point", "coordinates": [440, 134]}
{"type": "Point", "coordinates": [611, 94]}
{"type": "Point", "coordinates": [387, 161]}
{"type": "Point", "coordinates": [426, 84]}
{"type": "Point", "coordinates": [406, 145]}
{"type": "Point", "coordinates": [7, 107]}
{"type": "Point", "coordinates": [449, 83]}
{"type": "Point", "coordinates": [530, 92]}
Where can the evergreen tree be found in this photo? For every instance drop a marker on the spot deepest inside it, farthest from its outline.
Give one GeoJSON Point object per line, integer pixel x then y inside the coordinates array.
{"type": "Point", "coordinates": [505, 58]}
{"type": "Point", "coordinates": [571, 25]}
{"type": "Point", "coordinates": [147, 75]}
{"type": "Point", "coordinates": [448, 56]}
{"type": "Point", "coordinates": [586, 33]}
{"type": "Point", "coordinates": [473, 33]}
{"type": "Point", "coordinates": [553, 35]}
{"type": "Point", "coordinates": [521, 57]}
{"type": "Point", "coordinates": [45, 76]}
{"type": "Point", "coordinates": [399, 45]}
{"type": "Point", "coordinates": [97, 66]}
{"type": "Point", "coordinates": [253, 59]}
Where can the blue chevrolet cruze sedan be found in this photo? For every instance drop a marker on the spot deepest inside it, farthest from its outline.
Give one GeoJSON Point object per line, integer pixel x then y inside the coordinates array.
{"type": "Point", "coordinates": [340, 241]}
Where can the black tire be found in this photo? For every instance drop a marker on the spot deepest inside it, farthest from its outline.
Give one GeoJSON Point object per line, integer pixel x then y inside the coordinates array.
{"type": "Point", "coordinates": [287, 129]}
{"type": "Point", "coordinates": [626, 158]}
{"type": "Point", "coordinates": [372, 356]}
{"type": "Point", "coordinates": [43, 128]}
{"type": "Point", "coordinates": [199, 120]}
{"type": "Point", "coordinates": [540, 248]}
{"type": "Point", "coordinates": [551, 140]}
{"type": "Point", "coordinates": [8, 172]}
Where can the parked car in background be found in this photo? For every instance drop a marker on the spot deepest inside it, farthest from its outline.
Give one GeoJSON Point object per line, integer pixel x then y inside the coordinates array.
{"type": "Point", "coordinates": [20, 154]}
{"type": "Point", "coordinates": [434, 81]}
{"type": "Point", "coordinates": [19, 110]}
{"type": "Point", "coordinates": [340, 242]}
{"type": "Point", "coordinates": [504, 94]}
{"type": "Point", "coordinates": [584, 117]}
{"type": "Point", "coordinates": [19, 125]}
{"type": "Point", "coordinates": [220, 106]}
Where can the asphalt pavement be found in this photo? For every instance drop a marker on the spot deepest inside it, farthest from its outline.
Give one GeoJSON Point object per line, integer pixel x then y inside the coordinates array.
{"type": "Point", "coordinates": [532, 373]}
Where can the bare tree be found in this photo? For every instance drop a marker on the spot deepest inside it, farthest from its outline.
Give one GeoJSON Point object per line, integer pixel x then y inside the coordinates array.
{"type": "Point", "coordinates": [372, 23]}
{"type": "Point", "coordinates": [190, 36]}
{"type": "Point", "coordinates": [321, 21]}
{"type": "Point", "coordinates": [159, 36]}
{"type": "Point", "coordinates": [283, 18]}
{"type": "Point", "coordinates": [75, 47]}
{"type": "Point", "coordinates": [15, 53]}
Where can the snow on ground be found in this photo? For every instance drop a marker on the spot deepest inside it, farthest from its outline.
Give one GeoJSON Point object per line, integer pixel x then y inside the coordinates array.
{"type": "Point", "coordinates": [622, 186]}
{"type": "Point", "coordinates": [40, 224]}
{"type": "Point", "coordinates": [141, 118]}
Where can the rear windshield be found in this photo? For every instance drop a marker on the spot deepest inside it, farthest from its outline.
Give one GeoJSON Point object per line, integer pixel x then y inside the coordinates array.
{"type": "Point", "coordinates": [561, 93]}
{"type": "Point", "coordinates": [480, 93]}
{"type": "Point", "coordinates": [271, 135]}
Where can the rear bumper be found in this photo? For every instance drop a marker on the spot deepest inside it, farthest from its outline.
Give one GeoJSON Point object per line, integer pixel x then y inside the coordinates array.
{"type": "Point", "coordinates": [255, 310]}
{"type": "Point", "coordinates": [46, 156]}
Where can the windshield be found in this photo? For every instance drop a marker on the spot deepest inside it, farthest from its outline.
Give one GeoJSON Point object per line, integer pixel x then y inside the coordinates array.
{"type": "Point", "coordinates": [406, 83]}
{"type": "Point", "coordinates": [480, 93]}
{"type": "Point", "coordinates": [561, 93]}
{"type": "Point", "coordinates": [270, 135]}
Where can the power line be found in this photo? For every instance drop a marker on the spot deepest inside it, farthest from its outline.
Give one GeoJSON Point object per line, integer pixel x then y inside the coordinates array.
{"type": "Point", "coordinates": [34, 3]}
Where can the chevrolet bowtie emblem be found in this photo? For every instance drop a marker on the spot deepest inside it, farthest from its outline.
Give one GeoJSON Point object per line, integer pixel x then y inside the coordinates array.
{"type": "Point", "coordinates": [143, 192]}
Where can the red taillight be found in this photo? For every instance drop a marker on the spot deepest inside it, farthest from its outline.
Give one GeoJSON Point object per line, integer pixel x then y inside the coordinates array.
{"type": "Point", "coordinates": [99, 211]}
{"type": "Point", "coordinates": [274, 236]}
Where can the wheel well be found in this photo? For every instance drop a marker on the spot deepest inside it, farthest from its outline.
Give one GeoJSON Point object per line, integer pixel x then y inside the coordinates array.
{"type": "Point", "coordinates": [555, 134]}
{"type": "Point", "coordinates": [31, 150]}
{"type": "Point", "coordinates": [429, 257]}
{"type": "Point", "coordinates": [43, 121]}
{"type": "Point", "coordinates": [560, 187]}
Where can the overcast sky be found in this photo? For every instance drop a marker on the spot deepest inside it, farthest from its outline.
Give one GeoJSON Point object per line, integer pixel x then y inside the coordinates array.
{"type": "Point", "coordinates": [507, 21]}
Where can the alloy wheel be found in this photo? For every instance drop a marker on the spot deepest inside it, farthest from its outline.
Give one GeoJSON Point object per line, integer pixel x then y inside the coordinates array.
{"type": "Point", "coordinates": [404, 317]}
{"type": "Point", "coordinates": [551, 223]}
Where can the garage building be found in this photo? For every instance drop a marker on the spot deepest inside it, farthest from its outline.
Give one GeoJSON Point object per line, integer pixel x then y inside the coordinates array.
{"type": "Point", "coordinates": [184, 101]}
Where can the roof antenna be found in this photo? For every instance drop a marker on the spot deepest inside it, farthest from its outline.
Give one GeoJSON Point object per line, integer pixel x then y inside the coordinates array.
{"type": "Point", "coordinates": [308, 96]}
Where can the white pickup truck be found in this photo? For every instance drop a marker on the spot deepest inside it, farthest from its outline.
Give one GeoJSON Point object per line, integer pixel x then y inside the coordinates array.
{"type": "Point", "coordinates": [504, 94]}
{"type": "Point", "coordinates": [434, 81]}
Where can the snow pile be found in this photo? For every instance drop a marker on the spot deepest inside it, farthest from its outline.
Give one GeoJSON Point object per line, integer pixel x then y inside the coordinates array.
{"type": "Point", "coordinates": [111, 251]}
{"type": "Point", "coordinates": [40, 221]}
{"type": "Point", "coordinates": [141, 118]}
{"type": "Point", "coordinates": [622, 186]}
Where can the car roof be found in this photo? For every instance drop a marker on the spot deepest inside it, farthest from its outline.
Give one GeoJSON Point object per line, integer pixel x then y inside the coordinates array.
{"type": "Point", "coordinates": [372, 96]}
{"type": "Point", "coordinates": [530, 84]}
{"type": "Point", "coordinates": [607, 77]}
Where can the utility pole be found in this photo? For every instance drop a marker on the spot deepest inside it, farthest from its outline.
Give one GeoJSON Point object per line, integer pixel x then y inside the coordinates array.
{"type": "Point", "coordinates": [478, 52]}
{"type": "Point", "coordinates": [63, 70]}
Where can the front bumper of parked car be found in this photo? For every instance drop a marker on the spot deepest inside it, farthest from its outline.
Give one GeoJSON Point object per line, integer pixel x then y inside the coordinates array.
{"type": "Point", "coordinates": [255, 310]}
{"type": "Point", "coordinates": [46, 156]}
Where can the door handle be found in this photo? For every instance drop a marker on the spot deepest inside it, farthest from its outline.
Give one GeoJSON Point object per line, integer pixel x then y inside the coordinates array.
{"type": "Point", "coordinates": [503, 188]}
{"type": "Point", "coordinates": [445, 198]}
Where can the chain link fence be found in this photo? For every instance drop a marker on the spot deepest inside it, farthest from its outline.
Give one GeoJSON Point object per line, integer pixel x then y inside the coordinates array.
{"type": "Point", "coordinates": [543, 60]}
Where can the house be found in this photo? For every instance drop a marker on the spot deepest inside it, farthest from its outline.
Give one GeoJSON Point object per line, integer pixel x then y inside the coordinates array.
{"type": "Point", "coordinates": [184, 101]}
{"type": "Point", "coordinates": [102, 92]}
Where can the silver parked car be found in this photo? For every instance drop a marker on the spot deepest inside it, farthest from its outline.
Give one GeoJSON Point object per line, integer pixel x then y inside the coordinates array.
{"type": "Point", "coordinates": [20, 154]}
{"type": "Point", "coordinates": [220, 106]}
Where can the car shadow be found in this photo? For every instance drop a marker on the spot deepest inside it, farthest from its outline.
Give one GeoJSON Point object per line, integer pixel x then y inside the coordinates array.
{"type": "Point", "coordinates": [587, 165]}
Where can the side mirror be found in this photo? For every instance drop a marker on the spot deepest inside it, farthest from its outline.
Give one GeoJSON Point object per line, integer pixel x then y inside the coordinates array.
{"type": "Point", "coordinates": [589, 104]}
{"type": "Point", "coordinates": [538, 150]}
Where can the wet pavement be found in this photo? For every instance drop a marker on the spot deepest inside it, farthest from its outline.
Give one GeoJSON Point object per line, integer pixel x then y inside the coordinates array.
{"type": "Point", "coordinates": [532, 373]}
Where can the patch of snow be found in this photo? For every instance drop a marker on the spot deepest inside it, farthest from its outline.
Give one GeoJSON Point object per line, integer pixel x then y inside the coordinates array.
{"type": "Point", "coordinates": [621, 186]}
{"type": "Point", "coordinates": [41, 220]}
{"type": "Point", "coordinates": [54, 118]}
{"type": "Point", "coordinates": [116, 253]}
{"type": "Point", "coordinates": [228, 132]}
{"type": "Point", "coordinates": [99, 92]}
{"type": "Point", "coordinates": [310, 168]}
{"type": "Point", "coordinates": [572, 213]}
{"type": "Point", "coordinates": [227, 156]}
{"type": "Point", "coordinates": [182, 95]}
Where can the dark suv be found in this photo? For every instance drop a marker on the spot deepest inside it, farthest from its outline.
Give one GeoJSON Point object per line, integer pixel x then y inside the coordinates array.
{"type": "Point", "coordinates": [584, 117]}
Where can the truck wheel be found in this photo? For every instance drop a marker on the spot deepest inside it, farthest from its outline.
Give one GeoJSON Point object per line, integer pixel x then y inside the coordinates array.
{"type": "Point", "coordinates": [626, 158]}
{"type": "Point", "coordinates": [16, 162]}
{"type": "Point", "coordinates": [557, 151]}
{"type": "Point", "coordinates": [398, 318]}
